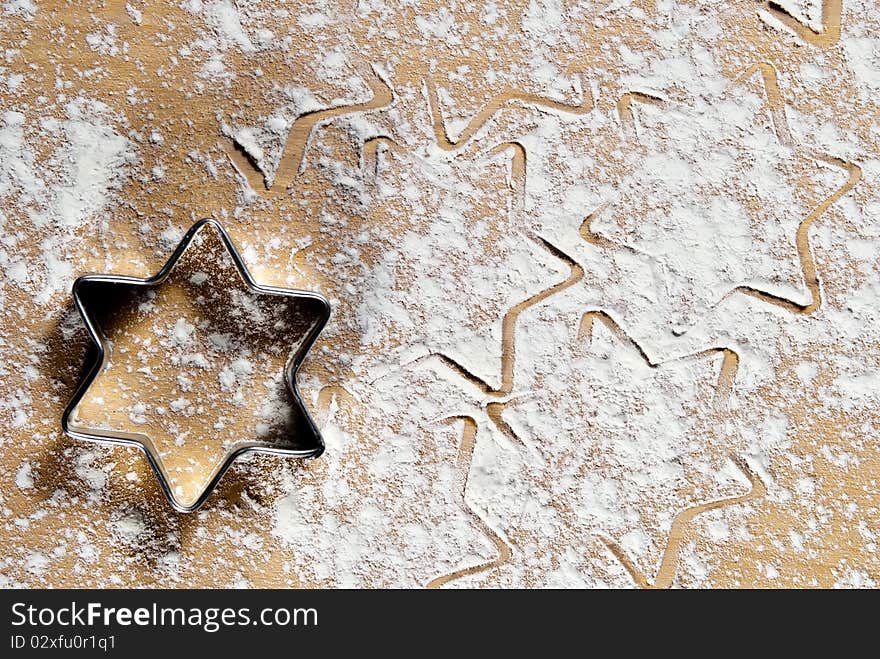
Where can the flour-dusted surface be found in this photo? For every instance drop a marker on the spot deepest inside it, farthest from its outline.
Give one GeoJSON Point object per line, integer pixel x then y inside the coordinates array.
{"type": "Point", "coordinates": [605, 286]}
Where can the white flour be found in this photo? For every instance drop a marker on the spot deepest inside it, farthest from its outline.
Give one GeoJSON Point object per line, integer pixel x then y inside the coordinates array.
{"type": "Point", "coordinates": [483, 439]}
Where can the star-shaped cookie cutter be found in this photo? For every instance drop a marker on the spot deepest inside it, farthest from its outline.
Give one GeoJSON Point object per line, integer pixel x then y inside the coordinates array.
{"type": "Point", "coordinates": [142, 441]}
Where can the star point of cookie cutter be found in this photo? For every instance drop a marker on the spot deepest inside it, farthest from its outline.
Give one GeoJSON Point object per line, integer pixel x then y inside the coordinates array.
{"type": "Point", "coordinates": [143, 441]}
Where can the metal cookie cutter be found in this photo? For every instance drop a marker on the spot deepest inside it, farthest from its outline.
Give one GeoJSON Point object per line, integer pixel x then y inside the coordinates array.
{"type": "Point", "coordinates": [312, 441]}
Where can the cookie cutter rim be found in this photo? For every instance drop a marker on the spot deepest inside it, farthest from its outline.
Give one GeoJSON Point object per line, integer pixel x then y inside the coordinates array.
{"type": "Point", "coordinates": [143, 441]}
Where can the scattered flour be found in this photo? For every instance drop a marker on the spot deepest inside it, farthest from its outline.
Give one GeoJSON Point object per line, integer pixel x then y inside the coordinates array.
{"type": "Point", "coordinates": [480, 425]}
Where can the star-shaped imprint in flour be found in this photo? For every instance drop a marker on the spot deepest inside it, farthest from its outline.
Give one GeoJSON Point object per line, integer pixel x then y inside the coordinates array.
{"type": "Point", "coordinates": [625, 453]}
{"type": "Point", "coordinates": [196, 365]}
{"type": "Point", "coordinates": [720, 202]}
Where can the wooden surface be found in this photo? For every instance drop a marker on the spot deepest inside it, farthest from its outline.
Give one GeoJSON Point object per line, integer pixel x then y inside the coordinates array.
{"type": "Point", "coordinates": [812, 524]}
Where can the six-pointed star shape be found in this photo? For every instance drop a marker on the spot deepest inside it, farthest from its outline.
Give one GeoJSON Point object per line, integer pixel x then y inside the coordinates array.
{"type": "Point", "coordinates": [711, 200]}
{"type": "Point", "coordinates": [215, 338]}
{"type": "Point", "coordinates": [629, 450]}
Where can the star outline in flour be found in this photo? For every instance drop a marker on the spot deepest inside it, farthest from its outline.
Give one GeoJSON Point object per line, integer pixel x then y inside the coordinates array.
{"type": "Point", "coordinates": [677, 534]}
{"type": "Point", "coordinates": [679, 531]}
{"type": "Point", "coordinates": [675, 538]}
{"type": "Point", "coordinates": [774, 104]}
{"type": "Point", "coordinates": [142, 441]}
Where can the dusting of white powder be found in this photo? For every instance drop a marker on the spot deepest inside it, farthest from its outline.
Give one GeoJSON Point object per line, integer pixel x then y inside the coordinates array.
{"type": "Point", "coordinates": [86, 170]}
{"type": "Point", "coordinates": [603, 439]}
